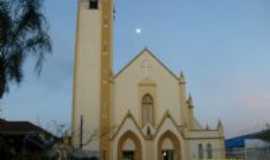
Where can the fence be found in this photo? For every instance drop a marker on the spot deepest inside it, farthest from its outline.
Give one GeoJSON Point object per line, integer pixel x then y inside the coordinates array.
{"type": "Point", "coordinates": [249, 153]}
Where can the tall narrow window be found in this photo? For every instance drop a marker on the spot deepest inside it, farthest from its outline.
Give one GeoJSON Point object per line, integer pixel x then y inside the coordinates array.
{"type": "Point", "coordinates": [209, 151]}
{"type": "Point", "coordinates": [93, 4]}
{"type": "Point", "coordinates": [147, 110]}
{"type": "Point", "coordinates": [200, 151]}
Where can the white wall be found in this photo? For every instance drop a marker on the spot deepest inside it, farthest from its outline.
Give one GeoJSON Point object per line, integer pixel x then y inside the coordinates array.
{"type": "Point", "coordinates": [126, 91]}
{"type": "Point", "coordinates": [86, 95]}
{"type": "Point", "coordinates": [217, 145]}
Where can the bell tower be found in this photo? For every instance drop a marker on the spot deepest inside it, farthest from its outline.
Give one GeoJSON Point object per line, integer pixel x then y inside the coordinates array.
{"type": "Point", "coordinates": [93, 77]}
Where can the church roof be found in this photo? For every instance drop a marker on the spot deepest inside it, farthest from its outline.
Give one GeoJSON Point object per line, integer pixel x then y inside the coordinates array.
{"type": "Point", "coordinates": [146, 50]}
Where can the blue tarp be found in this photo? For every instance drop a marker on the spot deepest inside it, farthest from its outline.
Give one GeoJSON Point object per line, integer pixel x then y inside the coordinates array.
{"type": "Point", "coordinates": [239, 142]}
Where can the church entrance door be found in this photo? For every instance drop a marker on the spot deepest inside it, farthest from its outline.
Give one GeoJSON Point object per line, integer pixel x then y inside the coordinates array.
{"type": "Point", "coordinates": [168, 154]}
{"type": "Point", "coordinates": [129, 147]}
{"type": "Point", "coordinates": [169, 147]}
{"type": "Point", "coordinates": [128, 155]}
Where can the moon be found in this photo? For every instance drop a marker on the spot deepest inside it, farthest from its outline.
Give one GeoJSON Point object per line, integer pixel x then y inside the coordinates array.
{"type": "Point", "coordinates": [138, 30]}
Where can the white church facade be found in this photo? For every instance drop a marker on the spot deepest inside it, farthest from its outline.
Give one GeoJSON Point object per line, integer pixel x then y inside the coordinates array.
{"type": "Point", "coordinates": [142, 112]}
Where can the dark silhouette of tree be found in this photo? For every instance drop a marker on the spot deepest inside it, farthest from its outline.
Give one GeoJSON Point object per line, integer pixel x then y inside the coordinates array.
{"type": "Point", "coordinates": [23, 33]}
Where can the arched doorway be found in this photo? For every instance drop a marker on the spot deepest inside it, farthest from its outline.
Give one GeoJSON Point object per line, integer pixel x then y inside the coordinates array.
{"type": "Point", "coordinates": [129, 147]}
{"type": "Point", "coordinates": [169, 147]}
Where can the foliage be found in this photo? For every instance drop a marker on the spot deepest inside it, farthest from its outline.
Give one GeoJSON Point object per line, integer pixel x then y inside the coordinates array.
{"type": "Point", "coordinates": [23, 33]}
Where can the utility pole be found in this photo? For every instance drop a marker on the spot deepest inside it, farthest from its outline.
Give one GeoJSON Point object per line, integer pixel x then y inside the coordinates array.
{"type": "Point", "coordinates": [81, 133]}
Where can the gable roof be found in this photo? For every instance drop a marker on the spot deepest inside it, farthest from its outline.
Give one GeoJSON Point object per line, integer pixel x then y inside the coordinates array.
{"type": "Point", "coordinates": [20, 128]}
{"type": "Point", "coordinates": [146, 50]}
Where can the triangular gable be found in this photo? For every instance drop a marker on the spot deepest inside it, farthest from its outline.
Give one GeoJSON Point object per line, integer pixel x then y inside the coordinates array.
{"type": "Point", "coordinates": [129, 116]}
{"type": "Point", "coordinates": [167, 116]}
{"type": "Point", "coordinates": [146, 50]}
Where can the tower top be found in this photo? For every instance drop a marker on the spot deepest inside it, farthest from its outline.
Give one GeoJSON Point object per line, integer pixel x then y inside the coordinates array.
{"type": "Point", "coordinates": [93, 4]}
{"type": "Point", "coordinates": [182, 78]}
{"type": "Point", "coordinates": [220, 124]}
{"type": "Point", "coordinates": [190, 102]}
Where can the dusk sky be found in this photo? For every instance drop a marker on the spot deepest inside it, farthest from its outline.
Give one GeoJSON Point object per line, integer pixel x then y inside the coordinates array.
{"type": "Point", "coordinates": [222, 46]}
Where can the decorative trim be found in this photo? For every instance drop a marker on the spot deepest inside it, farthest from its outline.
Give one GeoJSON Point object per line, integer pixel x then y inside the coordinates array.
{"type": "Point", "coordinates": [203, 130]}
{"type": "Point", "coordinates": [106, 9]}
{"type": "Point", "coordinates": [166, 116]}
{"type": "Point", "coordinates": [147, 83]}
{"type": "Point", "coordinates": [129, 115]}
{"type": "Point", "coordinates": [205, 138]}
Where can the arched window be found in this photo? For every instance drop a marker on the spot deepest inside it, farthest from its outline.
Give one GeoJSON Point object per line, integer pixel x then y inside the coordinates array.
{"type": "Point", "coordinates": [200, 151]}
{"type": "Point", "coordinates": [147, 110]}
{"type": "Point", "coordinates": [209, 151]}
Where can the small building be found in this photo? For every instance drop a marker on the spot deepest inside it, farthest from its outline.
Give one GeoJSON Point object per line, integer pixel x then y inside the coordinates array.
{"type": "Point", "coordinates": [254, 146]}
{"type": "Point", "coordinates": [21, 138]}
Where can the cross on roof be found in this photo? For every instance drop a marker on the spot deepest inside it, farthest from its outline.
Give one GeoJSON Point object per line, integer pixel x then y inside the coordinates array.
{"type": "Point", "coordinates": [146, 67]}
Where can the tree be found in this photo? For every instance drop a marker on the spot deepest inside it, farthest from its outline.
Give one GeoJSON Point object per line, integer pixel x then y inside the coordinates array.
{"type": "Point", "coordinates": [23, 33]}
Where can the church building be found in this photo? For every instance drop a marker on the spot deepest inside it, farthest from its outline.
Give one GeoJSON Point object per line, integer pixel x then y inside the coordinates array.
{"type": "Point", "coordinates": [142, 112]}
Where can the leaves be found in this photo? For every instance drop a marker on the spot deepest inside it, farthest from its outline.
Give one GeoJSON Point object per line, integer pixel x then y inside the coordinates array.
{"type": "Point", "coordinates": [5, 24]}
{"type": "Point", "coordinates": [23, 33]}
